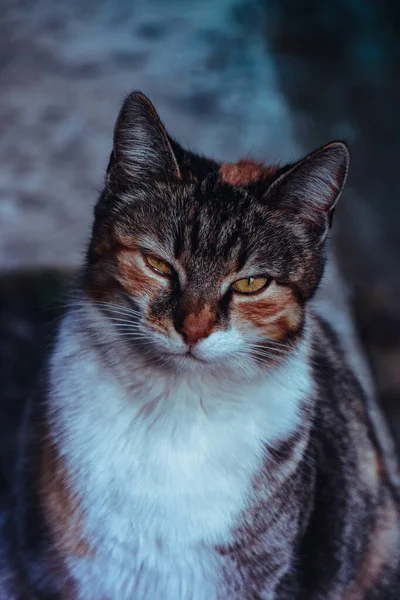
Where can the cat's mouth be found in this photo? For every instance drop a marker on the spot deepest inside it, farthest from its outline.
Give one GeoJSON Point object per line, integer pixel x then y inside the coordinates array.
{"type": "Point", "coordinates": [187, 356]}
{"type": "Point", "coordinates": [190, 356]}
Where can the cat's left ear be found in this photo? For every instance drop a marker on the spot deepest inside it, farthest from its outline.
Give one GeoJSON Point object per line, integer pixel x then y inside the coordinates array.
{"type": "Point", "coordinates": [311, 188]}
{"type": "Point", "coordinates": [142, 151]}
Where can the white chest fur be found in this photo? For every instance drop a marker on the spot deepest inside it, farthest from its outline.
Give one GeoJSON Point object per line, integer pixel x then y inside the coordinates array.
{"type": "Point", "coordinates": [163, 469]}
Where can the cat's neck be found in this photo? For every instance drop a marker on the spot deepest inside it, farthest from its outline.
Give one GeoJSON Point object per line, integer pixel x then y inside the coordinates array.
{"type": "Point", "coordinates": [165, 441]}
{"type": "Point", "coordinates": [87, 392]}
{"type": "Point", "coordinates": [176, 449]}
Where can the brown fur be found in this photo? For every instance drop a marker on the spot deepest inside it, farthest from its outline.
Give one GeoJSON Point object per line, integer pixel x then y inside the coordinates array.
{"type": "Point", "coordinates": [245, 172]}
{"type": "Point", "coordinates": [276, 312]}
{"type": "Point", "coordinates": [383, 543]}
{"type": "Point", "coordinates": [198, 325]}
{"type": "Point", "coordinates": [60, 504]}
{"type": "Point", "coordinates": [135, 278]}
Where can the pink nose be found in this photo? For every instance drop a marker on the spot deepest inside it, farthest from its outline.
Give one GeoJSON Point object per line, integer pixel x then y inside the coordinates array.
{"type": "Point", "coordinates": [198, 326]}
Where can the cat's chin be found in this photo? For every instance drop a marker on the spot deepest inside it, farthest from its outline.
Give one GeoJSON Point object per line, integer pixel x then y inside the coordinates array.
{"type": "Point", "coordinates": [190, 362]}
{"type": "Point", "coordinates": [181, 362]}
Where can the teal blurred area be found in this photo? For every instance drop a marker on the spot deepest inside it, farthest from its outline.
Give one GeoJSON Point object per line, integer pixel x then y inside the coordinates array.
{"type": "Point", "coordinates": [271, 79]}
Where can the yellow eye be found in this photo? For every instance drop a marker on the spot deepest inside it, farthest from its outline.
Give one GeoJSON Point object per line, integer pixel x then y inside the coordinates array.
{"type": "Point", "coordinates": [158, 265]}
{"type": "Point", "coordinates": [250, 285]}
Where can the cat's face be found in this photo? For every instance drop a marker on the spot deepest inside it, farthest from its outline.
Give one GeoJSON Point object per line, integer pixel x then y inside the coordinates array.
{"type": "Point", "coordinates": [199, 265]}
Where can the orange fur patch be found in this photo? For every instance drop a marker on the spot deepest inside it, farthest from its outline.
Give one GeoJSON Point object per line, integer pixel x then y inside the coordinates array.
{"type": "Point", "coordinates": [383, 541]}
{"type": "Point", "coordinates": [198, 325]}
{"type": "Point", "coordinates": [61, 505]}
{"type": "Point", "coordinates": [133, 276]}
{"type": "Point", "coordinates": [276, 314]}
{"type": "Point", "coordinates": [244, 172]}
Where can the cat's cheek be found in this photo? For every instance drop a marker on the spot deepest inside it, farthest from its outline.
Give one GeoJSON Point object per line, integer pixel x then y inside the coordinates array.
{"type": "Point", "coordinates": [161, 324]}
{"type": "Point", "coordinates": [276, 315]}
{"type": "Point", "coordinates": [139, 284]}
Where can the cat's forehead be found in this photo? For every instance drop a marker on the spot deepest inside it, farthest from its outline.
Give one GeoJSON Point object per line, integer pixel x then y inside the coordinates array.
{"type": "Point", "coordinates": [207, 222]}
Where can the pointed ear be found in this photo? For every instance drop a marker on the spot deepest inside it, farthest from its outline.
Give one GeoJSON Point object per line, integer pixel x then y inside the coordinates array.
{"type": "Point", "coordinates": [311, 188]}
{"type": "Point", "coordinates": [142, 150]}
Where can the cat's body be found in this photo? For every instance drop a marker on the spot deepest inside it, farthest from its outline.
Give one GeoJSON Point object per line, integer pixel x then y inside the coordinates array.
{"type": "Point", "coordinates": [181, 473]}
{"type": "Point", "coordinates": [236, 454]}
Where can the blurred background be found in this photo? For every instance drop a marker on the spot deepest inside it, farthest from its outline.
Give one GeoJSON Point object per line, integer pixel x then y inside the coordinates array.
{"type": "Point", "coordinates": [272, 79]}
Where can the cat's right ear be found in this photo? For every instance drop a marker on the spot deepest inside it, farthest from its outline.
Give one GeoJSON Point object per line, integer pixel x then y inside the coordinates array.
{"type": "Point", "coordinates": [311, 188]}
{"type": "Point", "coordinates": [142, 151]}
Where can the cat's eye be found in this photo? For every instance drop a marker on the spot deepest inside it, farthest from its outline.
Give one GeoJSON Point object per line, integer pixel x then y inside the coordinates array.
{"type": "Point", "coordinates": [158, 265]}
{"type": "Point", "coordinates": [250, 285]}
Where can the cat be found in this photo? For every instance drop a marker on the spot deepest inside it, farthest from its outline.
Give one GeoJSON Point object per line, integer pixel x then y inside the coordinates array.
{"type": "Point", "coordinates": [206, 428]}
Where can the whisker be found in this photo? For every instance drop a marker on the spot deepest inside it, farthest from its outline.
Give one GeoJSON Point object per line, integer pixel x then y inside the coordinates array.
{"type": "Point", "coordinates": [272, 352]}
{"type": "Point", "coordinates": [119, 322]}
{"type": "Point", "coordinates": [251, 348]}
{"type": "Point", "coordinates": [268, 346]}
{"type": "Point", "coordinates": [101, 304]}
{"type": "Point", "coordinates": [112, 305]}
{"type": "Point", "coordinates": [263, 354]}
{"type": "Point", "coordinates": [262, 351]}
{"type": "Point", "coordinates": [135, 337]}
{"type": "Point", "coordinates": [113, 308]}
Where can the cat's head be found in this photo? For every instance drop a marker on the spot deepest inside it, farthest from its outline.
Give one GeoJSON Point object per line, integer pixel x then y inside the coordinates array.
{"type": "Point", "coordinates": [205, 265]}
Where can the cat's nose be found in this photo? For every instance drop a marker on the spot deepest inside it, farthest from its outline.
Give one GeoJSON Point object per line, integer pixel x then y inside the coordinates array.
{"type": "Point", "coordinates": [196, 327]}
